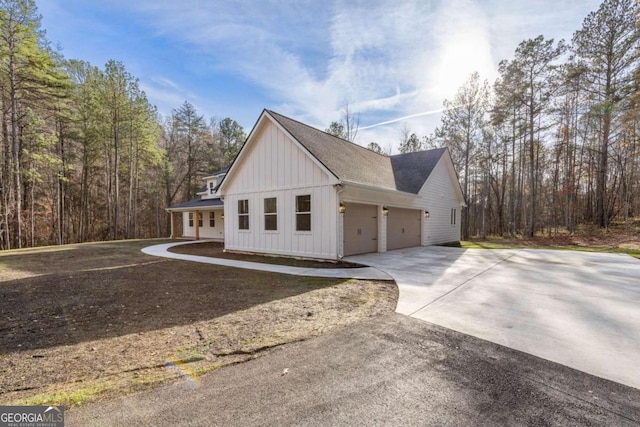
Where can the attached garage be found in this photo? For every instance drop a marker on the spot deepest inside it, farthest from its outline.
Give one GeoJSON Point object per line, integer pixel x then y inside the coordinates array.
{"type": "Point", "coordinates": [403, 228]}
{"type": "Point", "coordinates": [360, 229]}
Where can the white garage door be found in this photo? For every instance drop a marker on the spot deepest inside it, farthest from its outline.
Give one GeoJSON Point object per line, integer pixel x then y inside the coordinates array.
{"type": "Point", "coordinates": [360, 229]}
{"type": "Point", "coordinates": [403, 228]}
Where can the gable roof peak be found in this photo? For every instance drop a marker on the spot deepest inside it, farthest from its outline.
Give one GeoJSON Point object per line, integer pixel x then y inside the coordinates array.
{"type": "Point", "coordinates": [275, 115]}
{"type": "Point", "coordinates": [348, 161]}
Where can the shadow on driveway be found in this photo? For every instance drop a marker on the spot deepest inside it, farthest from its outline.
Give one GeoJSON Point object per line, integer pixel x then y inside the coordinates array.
{"type": "Point", "coordinates": [581, 309]}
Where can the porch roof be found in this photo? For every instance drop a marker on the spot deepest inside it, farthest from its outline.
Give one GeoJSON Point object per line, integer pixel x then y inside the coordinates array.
{"type": "Point", "coordinates": [197, 204]}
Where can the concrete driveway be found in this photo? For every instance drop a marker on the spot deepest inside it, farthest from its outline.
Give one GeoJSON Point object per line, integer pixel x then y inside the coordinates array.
{"type": "Point", "coordinates": [579, 309]}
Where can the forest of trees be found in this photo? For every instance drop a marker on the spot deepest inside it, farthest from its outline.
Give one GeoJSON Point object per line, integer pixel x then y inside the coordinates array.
{"type": "Point", "coordinates": [84, 155]}
{"type": "Point", "coordinates": [554, 143]}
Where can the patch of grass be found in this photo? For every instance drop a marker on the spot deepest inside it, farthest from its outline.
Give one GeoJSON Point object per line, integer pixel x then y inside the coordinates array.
{"type": "Point", "coordinates": [490, 244]}
{"type": "Point", "coordinates": [81, 393]}
{"type": "Point", "coordinates": [67, 398]}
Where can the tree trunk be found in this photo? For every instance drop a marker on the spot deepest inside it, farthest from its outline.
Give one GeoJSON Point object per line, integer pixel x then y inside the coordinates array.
{"type": "Point", "coordinates": [15, 142]}
{"type": "Point", "coordinates": [116, 176]}
{"type": "Point", "coordinates": [532, 167]}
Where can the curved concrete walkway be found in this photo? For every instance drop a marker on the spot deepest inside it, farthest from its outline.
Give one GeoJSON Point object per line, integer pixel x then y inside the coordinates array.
{"type": "Point", "coordinates": [363, 273]}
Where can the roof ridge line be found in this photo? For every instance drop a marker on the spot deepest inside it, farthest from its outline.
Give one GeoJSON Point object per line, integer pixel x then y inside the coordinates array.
{"type": "Point", "coordinates": [421, 151]}
{"type": "Point", "coordinates": [327, 133]}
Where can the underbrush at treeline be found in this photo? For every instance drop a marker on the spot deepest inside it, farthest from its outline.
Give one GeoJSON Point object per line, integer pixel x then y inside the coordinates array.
{"type": "Point", "coordinates": [620, 237]}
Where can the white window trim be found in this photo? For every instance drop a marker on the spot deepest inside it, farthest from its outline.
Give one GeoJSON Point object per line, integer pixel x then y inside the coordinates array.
{"type": "Point", "coordinates": [295, 212]}
{"type": "Point", "coordinates": [264, 215]}
{"type": "Point", "coordinates": [248, 229]}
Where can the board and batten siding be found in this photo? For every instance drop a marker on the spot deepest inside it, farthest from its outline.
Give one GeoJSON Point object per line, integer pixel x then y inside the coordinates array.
{"type": "Point", "coordinates": [205, 232]}
{"type": "Point", "coordinates": [440, 195]}
{"type": "Point", "coordinates": [275, 166]}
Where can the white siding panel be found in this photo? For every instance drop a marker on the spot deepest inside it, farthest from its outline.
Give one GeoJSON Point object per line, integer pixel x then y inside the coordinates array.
{"type": "Point", "coordinates": [319, 243]}
{"type": "Point", "coordinates": [275, 166]}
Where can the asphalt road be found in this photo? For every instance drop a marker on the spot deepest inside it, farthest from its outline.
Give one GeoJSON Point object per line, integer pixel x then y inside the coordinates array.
{"type": "Point", "coordinates": [392, 370]}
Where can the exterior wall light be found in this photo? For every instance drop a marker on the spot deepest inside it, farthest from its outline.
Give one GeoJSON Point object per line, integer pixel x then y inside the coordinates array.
{"type": "Point", "coordinates": [222, 216]}
{"type": "Point", "coordinates": [342, 208]}
{"type": "Point", "coordinates": [426, 214]}
{"type": "Point", "coordinates": [385, 211]}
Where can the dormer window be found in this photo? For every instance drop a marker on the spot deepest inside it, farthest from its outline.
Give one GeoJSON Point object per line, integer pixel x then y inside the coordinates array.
{"type": "Point", "coordinates": [212, 187]}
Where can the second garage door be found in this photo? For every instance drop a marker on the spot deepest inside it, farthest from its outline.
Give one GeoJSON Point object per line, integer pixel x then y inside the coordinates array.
{"type": "Point", "coordinates": [360, 229]}
{"type": "Point", "coordinates": [403, 228]}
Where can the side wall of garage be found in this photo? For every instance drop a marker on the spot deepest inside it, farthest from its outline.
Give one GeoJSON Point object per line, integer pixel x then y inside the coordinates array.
{"type": "Point", "coordinates": [443, 205]}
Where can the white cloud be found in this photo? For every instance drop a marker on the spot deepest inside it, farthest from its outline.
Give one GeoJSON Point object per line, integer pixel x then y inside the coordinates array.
{"type": "Point", "coordinates": [388, 59]}
{"type": "Point", "coordinates": [166, 82]}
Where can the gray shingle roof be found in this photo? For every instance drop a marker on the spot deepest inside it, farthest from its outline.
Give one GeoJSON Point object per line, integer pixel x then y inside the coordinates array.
{"type": "Point", "coordinates": [353, 163]}
{"type": "Point", "coordinates": [221, 171]}
{"type": "Point", "coordinates": [199, 203]}
{"type": "Point", "coordinates": [411, 170]}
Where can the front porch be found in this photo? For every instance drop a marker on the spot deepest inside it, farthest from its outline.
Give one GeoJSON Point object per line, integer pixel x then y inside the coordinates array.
{"type": "Point", "coordinates": [198, 219]}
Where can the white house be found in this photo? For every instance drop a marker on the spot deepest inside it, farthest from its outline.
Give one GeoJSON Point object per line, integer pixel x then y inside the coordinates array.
{"type": "Point", "coordinates": [294, 190]}
{"type": "Point", "coordinates": [204, 215]}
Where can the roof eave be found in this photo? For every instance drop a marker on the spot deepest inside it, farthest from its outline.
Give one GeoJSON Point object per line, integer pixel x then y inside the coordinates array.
{"type": "Point", "coordinates": [373, 187]}
{"type": "Point", "coordinates": [204, 178]}
{"type": "Point", "coordinates": [194, 208]}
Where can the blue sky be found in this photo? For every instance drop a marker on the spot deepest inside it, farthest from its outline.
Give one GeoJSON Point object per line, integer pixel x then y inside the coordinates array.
{"type": "Point", "coordinates": [388, 59]}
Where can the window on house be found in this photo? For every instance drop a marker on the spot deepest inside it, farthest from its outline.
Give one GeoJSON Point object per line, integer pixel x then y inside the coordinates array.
{"type": "Point", "coordinates": [243, 214]}
{"type": "Point", "coordinates": [303, 213]}
{"type": "Point", "coordinates": [271, 214]}
{"type": "Point", "coordinates": [212, 219]}
{"type": "Point", "coordinates": [212, 187]}
{"type": "Point", "coordinates": [199, 219]}
{"type": "Point", "coordinates": [190, 219]}
{"type": "Point", "coordinates": [453, 216]}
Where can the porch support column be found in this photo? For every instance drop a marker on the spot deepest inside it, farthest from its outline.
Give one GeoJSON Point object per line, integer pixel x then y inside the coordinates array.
{"type": "Point", "coordinates": [173, 226]}
{"type": "Point", "coordinates": [196, 224]}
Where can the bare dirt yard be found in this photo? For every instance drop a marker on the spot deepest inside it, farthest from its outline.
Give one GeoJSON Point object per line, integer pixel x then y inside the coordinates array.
{"type": "Point", "coordinates": [85, 322]}
{"type": "Point", "coordinates": [216, 249]}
